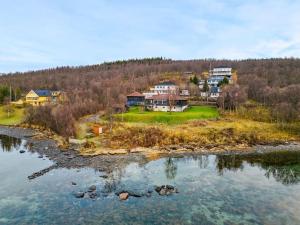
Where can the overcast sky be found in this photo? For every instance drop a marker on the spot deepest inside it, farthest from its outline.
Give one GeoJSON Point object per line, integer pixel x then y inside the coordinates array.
{"type": "Point", "coordinates": [36, 34]}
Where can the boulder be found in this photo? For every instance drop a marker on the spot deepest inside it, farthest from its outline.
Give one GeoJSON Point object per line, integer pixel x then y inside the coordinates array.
{"type": "Point", "coordinates": [79, 194]}
{"type": "Point", "coordinates": [166, 190]}
{"type": "Point", "coordinates": [123, 196]}
{"type": "Point", "coordinates": [92, 188]}
{"type": "Point", "coordinates": [92, 195]}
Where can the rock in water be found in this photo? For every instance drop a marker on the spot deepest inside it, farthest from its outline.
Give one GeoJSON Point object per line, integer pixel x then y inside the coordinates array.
{"type": "Point", "coordinates": [123, 196]}
{"type": "Point", "coordinates": [163, 191]}
{"type": "Point", "coordinates": [74, 183]}
{"type": "Point", "coordinates": [79, 194]}
{"type": "Point", "coordinates": [92, 188]}
{"type": "Point", "coordinates": [93, 195]}
{"type": "Point", "coordinates": [166, 190]}
{"type": "Point", "coordinates": [22, 151]}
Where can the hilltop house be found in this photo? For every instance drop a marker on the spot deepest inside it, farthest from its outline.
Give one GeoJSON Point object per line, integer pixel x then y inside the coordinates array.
{"type": "Point", "coordinates": [135, 99]}
{"type": "Point", "coordinates": [43, 97]}
{"type": "Point", "coordinates": [166, 87]}
{"type": "Point", "coordinates": [166, 103]}
{"type": "Point", "coordinates": [216, 75]}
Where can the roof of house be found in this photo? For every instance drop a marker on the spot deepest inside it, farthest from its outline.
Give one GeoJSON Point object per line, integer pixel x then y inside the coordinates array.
{"type": "Point", "coordinates": [135, 94]}
{"type": "Point", "coordinates": [43, 93]}
{"type": "Point", "coordinates": [167, 83]}
{"type": "Point", "coordinates": [222, 67]}
{"type": "Point", "coordinates": [166, 97]}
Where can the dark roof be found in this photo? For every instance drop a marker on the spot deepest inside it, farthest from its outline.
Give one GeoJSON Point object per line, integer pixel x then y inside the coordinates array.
{"type": "Point", "coordinates": [43, 93]}
{"type": "Point", "coordinates": [136, 94]}
{"type": "Point", "coordinates": [166, 97]}
{"type": "Point", "coordinates": [167, 83]}
{"type": "Point", "coordinates": [219, 67]}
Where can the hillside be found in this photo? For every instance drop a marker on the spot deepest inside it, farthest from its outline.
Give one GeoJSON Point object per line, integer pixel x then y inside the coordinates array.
{"type": "Point", "coordinates": [273, 82]}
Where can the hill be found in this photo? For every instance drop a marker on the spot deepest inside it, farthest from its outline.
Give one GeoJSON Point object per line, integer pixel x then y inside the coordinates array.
{"type": "Point", "coordinates": [272, 82]}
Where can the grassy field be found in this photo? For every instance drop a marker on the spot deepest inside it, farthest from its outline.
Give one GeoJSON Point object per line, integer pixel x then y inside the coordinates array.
{"type": "Point", "coordinates": [15, 118]}
{"type": "Point", "coordinates": [224, 132]}
{"type": "Point", "coordinates": [194, 113]}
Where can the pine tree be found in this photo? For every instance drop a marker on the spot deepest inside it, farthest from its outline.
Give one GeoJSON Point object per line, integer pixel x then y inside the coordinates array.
{"type": "Point", "coordinates": [205, 86]}
{"type": "Point", "coordinates": [194, 80]}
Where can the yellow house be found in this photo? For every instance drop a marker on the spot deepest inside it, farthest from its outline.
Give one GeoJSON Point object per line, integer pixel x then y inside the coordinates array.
{"type": "Point", "coordinates": [58, 96]}
{"type": "Point", "coordinates": [38, 97]}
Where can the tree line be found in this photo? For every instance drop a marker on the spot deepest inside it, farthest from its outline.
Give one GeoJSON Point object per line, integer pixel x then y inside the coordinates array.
{"type": "Point", "coordinates": [274, 83]}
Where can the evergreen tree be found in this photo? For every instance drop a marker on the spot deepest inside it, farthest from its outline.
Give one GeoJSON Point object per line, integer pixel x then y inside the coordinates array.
{"type": "Point", "coordinates": [4, 93]}
{"type": "Point", "coordinates": [205, 86]}
{"type": "Point", "coordinates": [223, 82]}
{"type": "Point", "coordinates": [194, 80]}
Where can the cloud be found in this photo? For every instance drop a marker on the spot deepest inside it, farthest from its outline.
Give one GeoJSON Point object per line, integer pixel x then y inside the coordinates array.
{"type": "Point", "coordinates": [55, 33]}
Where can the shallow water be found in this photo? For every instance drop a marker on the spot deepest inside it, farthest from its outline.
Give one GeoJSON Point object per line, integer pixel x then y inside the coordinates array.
{"type": "Point", "coordinates": [228, 189]}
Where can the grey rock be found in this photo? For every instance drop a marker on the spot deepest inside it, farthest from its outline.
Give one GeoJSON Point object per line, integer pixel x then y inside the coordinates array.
{"type": "Point", "coordinates": [79, 194]}
{"type": "Point", "coordinates": [92, 188]}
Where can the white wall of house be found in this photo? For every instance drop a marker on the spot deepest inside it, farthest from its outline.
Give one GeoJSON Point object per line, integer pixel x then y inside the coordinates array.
{"type": "Point", "coordinates": [167, 108]}
{"type": "Point", "coordinates": [226, 71]}
{"type": "Point", "coordinates": [214, 95]}
{"type": "Point", "coordinates": [165, 89]}
{"type": "Point", "coordinates": [184, 92]}
{"type": "Point", "coordinates": [204, 94]}
{"type": "Point", "coordinates": [149, 94]}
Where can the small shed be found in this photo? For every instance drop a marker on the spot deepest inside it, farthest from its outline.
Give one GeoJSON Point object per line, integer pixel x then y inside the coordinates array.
{"type": "Point", "coordinates": [97, 129]}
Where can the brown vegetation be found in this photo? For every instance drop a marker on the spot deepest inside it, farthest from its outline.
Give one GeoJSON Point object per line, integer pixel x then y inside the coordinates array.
{"type": "Point", "coordinates": [274, 83]}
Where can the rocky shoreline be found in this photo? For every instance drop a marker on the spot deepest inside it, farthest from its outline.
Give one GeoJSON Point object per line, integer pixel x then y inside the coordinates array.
{"type": "Point", "coordinates": [71, 158]}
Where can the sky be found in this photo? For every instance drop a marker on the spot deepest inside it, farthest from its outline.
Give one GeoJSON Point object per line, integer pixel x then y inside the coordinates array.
{"type": "Point", "coordinates": [37, 34]}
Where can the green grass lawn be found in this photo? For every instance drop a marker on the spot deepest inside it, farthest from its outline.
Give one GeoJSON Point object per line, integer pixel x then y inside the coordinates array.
{"type": "Point", "coordinates": [193, 113]}
{"type": "Point", "coordinates": [14, 119]}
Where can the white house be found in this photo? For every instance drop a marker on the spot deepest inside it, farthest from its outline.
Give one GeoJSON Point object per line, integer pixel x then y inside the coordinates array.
{"type": "Point", "coordinates": [216, 75]}
{"type": "Point", "coordinates": [166, 87]}
{"type": "Point", "coordinates": [166, 103]}
{"type": "Point", "coordinates": [184, 92]}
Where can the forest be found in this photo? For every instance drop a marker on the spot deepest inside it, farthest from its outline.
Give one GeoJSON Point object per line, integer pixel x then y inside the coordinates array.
{"type": "Point", "coordinates": [273, 83]}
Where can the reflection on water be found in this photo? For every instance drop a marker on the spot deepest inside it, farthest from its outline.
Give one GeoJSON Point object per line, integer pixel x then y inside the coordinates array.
{"type": "Point", "coordinates": [222, 189]}
{"type": "Point", "coordinates": [9, 143]}
{"type": "Point", "coordinates": [170, 168]}
{"type": "Point", "coordinates": [283, 166]}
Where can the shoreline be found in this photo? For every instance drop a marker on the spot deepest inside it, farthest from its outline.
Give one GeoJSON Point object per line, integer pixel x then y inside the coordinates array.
{"type": "Point", "coordinates": [71, 158]}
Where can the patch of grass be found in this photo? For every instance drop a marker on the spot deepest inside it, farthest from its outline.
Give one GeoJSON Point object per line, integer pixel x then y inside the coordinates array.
{"type": "Point", "coordinates": [221, 133]}
{"type": "Point", "coordinates": [136, 115]}
{"type": "Point", "coordinates": [16, 117]}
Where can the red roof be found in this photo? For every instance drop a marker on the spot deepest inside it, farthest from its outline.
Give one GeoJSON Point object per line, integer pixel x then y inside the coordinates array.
{"type": "Point", "coordinates": [136, 94]}
{"type": "Point", "coordinates": [166, 97]}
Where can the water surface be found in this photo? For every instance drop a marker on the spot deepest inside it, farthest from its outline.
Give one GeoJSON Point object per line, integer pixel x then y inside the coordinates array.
{"type": "Point", "coordinates": [225, 189]}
